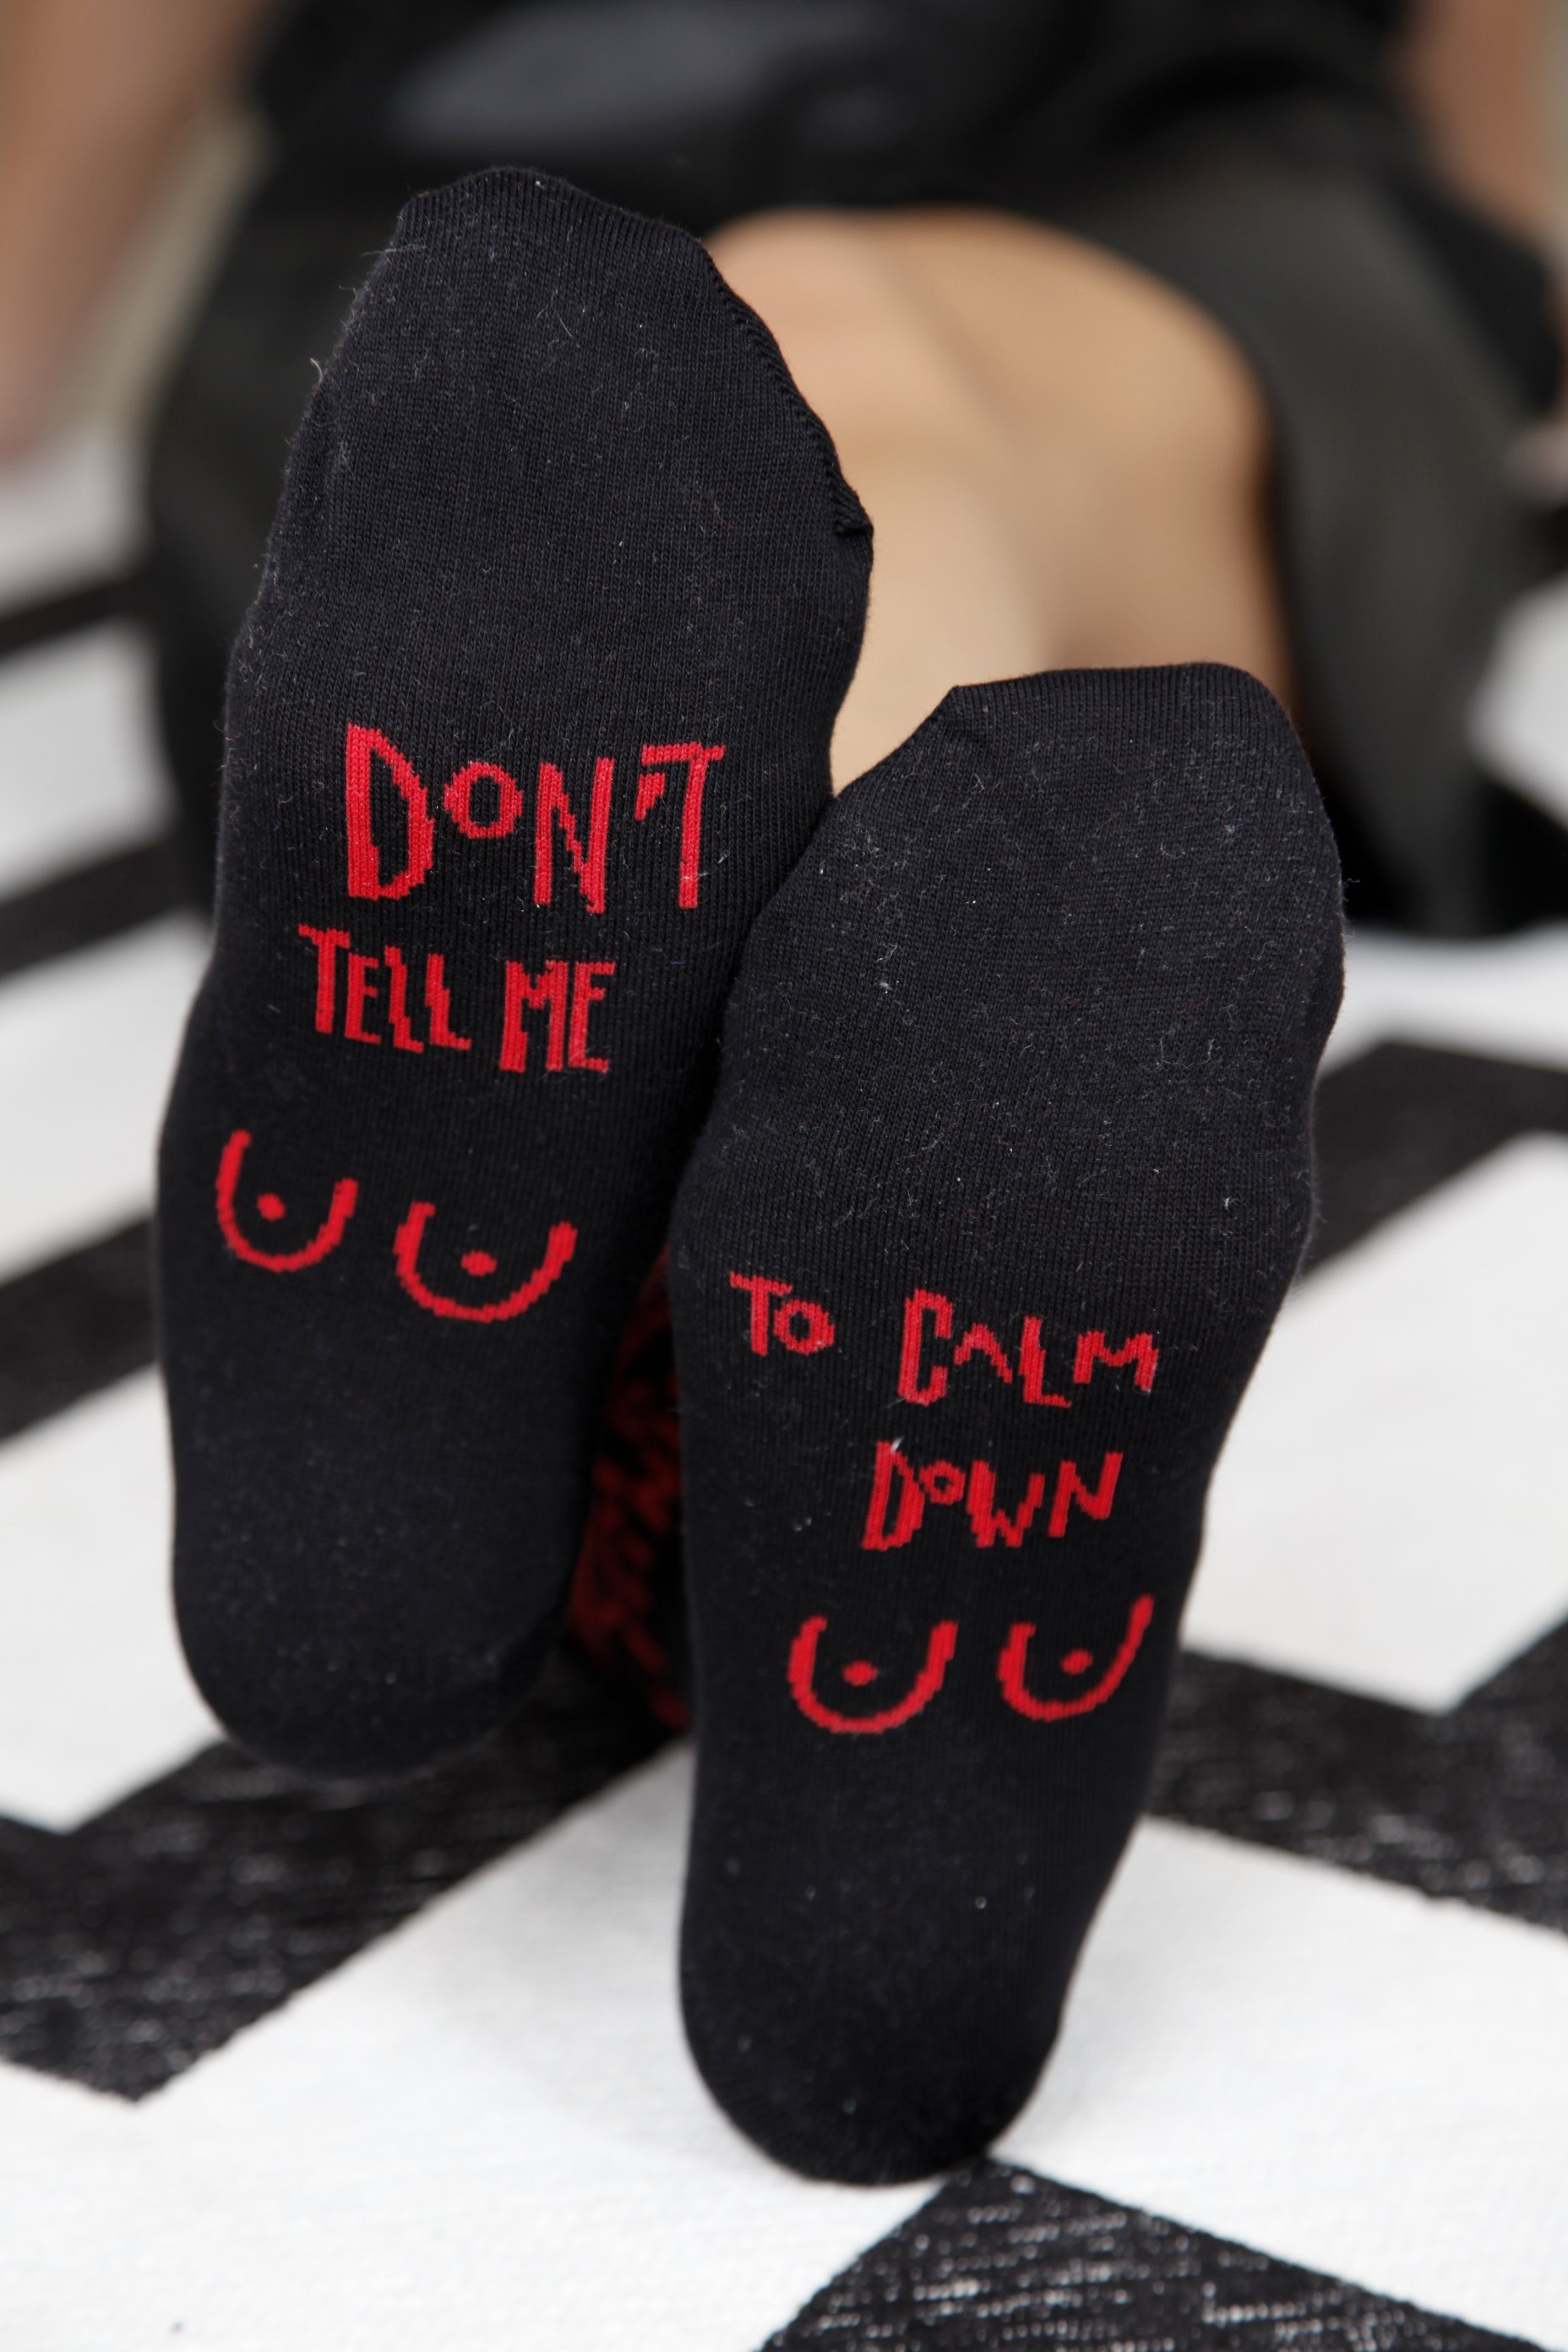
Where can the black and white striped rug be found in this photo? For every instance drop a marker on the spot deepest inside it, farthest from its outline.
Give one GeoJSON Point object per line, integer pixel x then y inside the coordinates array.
{"type": "Point", "coordinates": [282, 2070]}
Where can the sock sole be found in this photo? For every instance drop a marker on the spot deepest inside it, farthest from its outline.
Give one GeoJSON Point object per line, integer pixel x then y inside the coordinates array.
{"type": "Point", "coordinates": [1007, 1173]}
{"type": "Point", "coordinates": [530, 716]}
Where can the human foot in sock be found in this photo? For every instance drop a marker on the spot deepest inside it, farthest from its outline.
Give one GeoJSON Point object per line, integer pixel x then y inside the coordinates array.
{"type": "Point", "coordinates": [530, 716]}
{"type": "Point", "coordinates": [1007, 1175]}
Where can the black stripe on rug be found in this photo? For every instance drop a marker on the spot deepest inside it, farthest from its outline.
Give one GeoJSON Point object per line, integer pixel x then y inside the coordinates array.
{"type": "Point", "coordinates": [1472, 1804]}
{"type": "Point", "coordinates": [1000, 2256]}
{"type": "Point", "coordinates": [83, 605]}
{"type": "Point", "coordinates": [1399, 1121]}
{"type": "Point", "coordinates": [88, 903]}
{"type": "Point", "coordinates": [92, 903]}
{"type": "Point", "coordinates": [132, 1946]}
{"type": "Point", "coordinates": [71, 1327]}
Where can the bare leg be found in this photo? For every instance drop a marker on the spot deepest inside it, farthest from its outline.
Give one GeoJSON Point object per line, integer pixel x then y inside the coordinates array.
{"type": "Point", "coordinates": [1066, 462]}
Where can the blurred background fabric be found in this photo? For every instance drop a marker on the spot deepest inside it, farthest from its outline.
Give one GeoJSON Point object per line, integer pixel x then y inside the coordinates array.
{"type": "Point", "coordinates": [1248, 154]}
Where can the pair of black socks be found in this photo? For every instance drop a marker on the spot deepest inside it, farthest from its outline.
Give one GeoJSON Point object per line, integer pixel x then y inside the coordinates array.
{"type": "Point", "coordinates": [979, 1221]}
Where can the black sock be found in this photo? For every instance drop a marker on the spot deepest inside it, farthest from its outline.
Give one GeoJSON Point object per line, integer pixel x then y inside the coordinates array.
{"type": "Point", "coordinates": [1007, 1173]}
{"type": "Point", "coordinates": [530, 716]}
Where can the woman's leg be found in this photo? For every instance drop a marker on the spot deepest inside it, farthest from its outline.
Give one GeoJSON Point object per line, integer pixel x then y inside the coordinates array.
{"type": "Point", "coordinates": [1066, 462]}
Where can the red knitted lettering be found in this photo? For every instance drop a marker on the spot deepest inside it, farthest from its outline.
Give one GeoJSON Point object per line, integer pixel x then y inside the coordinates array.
{"type": "Point", "coordinates": [1014, 1660]}
{"type": "Point", "coordinates": [890, 1469]}
{"type": "Point", "coordinates": [360, 991]}
{"type": "Point", "coordinates": [940, 1648]}
{"type": "Point", "coordinates": [585, 994]}
{"type": "Point", "coordinates": [548, 992]}
{"type": "Point", "coordinates": [553, 812]}
{"type": "Point", "coordinates": [698, 758]}
{"type": "Point", "coordinates": [944, 1482]}
{"type": "Point", "coordinates": [650, 788]}
{"type": "Point", "coordinates": [406, 1249]}
{"type": "Point", "coordinates": [633, 1509]}
{"type": "Point", "coordinates": [345, 1194]}
{"type": "Point", "coordinates": [760, 1290]}
{"type": "Point", "coordinates": [397, 1002]}
{"type": "Point", "coordinates": [457, 800]}
{"type": "Point", "coordinates": [804, 1327]}
{"type": "Point", "coordinates": [438, 1004]}
{"type": "Point", "coordinates": [1139, 1350]}
{"type": "Point", "coordinates": [362, 745]}
{"type": "Point", "coordinates": [980, 1340]}
{"type": "Point", "coordinates": [917, 1306]}
{"type": "Point", "coordinates": [327, 944]}
{"type": "Point", "coordinates": [1071, 1489]}
{"type": "Point", "coordinates": [988, 1521]}
{"type": "Point", "coordinates": [1032, 1365]}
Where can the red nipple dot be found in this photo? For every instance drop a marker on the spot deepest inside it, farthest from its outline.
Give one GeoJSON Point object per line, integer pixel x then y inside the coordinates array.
{"type": "Point", "coordinates": [859, 1671]}
{"type": "Point", "coordinates": [1078, 1662]}
{"type": "Point", "coordinates": [271, 1207]}
{"type": "Point", "coordinates": [478, 1262]}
